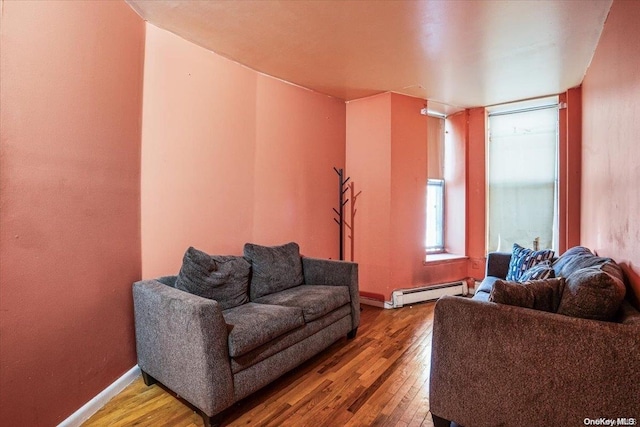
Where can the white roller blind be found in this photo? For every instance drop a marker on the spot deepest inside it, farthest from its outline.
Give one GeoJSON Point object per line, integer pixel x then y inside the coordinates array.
{"type": "Point", "coordinates": [435, 147]}
{"type": "Point", "coordinates": [522, 179]}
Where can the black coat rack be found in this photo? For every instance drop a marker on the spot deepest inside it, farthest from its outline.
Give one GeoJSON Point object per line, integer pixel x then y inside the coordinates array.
{"type": "Point", "coordinates": [340, 211]}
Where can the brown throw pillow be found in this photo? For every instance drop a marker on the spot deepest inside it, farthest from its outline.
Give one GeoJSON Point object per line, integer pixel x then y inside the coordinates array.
{"type": "Point", "coordinates": [594, 292]}
{"type": "Point", "coordinates": [536, 294]}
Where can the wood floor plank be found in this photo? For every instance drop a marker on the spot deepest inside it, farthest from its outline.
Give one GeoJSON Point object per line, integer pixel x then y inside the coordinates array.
{"type": "Point", "coordinates": [379, 378]}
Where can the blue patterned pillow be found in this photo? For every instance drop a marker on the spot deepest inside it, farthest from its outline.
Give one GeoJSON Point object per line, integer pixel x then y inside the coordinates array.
{"type": "Point", "coordinates": [523, 259]}
{"type": "Point", "coordinates": [539, 272]}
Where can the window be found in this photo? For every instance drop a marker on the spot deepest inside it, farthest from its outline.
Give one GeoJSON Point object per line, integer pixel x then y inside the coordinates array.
{"type": "Point", "coordinates": [435, 216]}
{"type": "Point", "coordinates": [434, 239]}
{"type": "Point", "coordinates": [522, 177]}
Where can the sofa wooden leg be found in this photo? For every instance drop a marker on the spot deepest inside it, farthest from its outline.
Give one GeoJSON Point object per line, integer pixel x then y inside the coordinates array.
{"type": "Point", "coordinates": [440, 422]}
{"type": "Point", "coordinates": [214, 421]}
{"type": "Point", "coordinates": [352, 333]}
{"type": "Point", "coordinates": [148, 379]}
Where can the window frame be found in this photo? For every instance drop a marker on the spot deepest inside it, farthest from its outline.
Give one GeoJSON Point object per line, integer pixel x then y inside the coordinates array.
{"type": "Point", "coordinates": [546, 103]}
{"type": "Point", "coordinates": [439, 247]}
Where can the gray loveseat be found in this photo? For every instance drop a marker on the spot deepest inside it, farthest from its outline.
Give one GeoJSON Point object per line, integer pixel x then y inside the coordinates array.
{"type": "Point", "coordinates": [496, 364]}
{"type": "Point", "coordinates": [212, 353]}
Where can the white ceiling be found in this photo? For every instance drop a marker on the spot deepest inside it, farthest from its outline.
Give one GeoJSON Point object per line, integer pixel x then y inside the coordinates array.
{"type": "Point", "coordinates": [456, 53]}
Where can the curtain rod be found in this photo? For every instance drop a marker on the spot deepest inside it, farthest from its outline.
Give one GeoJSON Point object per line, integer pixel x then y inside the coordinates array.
{"type": "Point", "coordinates": [524, 110]}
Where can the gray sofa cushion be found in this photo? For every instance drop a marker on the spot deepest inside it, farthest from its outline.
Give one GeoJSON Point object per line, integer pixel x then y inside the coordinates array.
{"type": "Point", "coordinates": [275, 268]}
{"type": "Point", "coordinates": [481, 296]}
{"type": "Point", "coordinates": [536, 294]}
{"type": "Point", "coordinates": [594, 292]}
{"type": "Point", "coordinates": [314, 300]}
{"type": "Point", "coordinates": [252, 325]}
{"type": "Point", "coordinates": [222, 278]}
{"type": "Point", "coordinates": [287, 340]}
{"type": "Point", "coordinates": [487, 285]}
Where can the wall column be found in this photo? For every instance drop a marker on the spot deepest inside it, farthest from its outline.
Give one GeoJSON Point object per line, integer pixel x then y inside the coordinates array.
{"type": "Point", "coordinates": [387, 161]}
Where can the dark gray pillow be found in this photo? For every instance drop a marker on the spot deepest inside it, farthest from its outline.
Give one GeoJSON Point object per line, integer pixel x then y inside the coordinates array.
{"type": "Point", "coordinates": [536, 294]}
{"type": "Point", "coordinates": [222, 278]}
{"type": "Point", "coordinates": [576, 258]}
{"type": "Point", "coordinates": [274, 268]}
{"type": "Point", "coordinates": [593, 292]}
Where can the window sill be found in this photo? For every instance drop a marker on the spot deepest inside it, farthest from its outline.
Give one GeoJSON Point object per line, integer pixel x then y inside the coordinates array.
{"type": "Point", "coordinates": [443, 258]}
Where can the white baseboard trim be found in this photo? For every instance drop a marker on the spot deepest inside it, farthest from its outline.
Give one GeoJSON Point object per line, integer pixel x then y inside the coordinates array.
{"type": "Point", "coordinates": [95, 404]}
{"type": "Point", "coordinates": [375, 303]}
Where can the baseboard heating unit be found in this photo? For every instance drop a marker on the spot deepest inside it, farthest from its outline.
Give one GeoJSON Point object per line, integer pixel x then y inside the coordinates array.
{"type": "Point", "coordinates": [403, 297]}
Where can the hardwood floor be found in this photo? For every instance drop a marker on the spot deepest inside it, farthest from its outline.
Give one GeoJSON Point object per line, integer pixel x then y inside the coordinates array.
{"type": "Point", "coordinates": [380, 378]}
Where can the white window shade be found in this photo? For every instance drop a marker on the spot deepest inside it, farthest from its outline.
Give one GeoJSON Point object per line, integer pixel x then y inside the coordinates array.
{"type": "Point", "coordinates": [522, 179]}
{"type": "Point", "coordinates": [435, 148]}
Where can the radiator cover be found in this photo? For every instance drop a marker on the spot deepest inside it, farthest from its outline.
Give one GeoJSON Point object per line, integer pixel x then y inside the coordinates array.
{"type": "Point", "coordinates": [403, 297]}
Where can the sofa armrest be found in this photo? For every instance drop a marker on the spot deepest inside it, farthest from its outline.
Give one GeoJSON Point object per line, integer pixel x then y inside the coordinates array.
{"type": "Point", "coordinates": [495, 364]}
{"type": "Point", "coordinates": [498, 264]}
{"type": "Point", "coordinates": [335, 273]}
{"type": "Point", "coordinates": [181, 340]}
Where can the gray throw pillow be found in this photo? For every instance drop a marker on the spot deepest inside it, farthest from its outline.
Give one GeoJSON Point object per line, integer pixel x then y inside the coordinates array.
{"type": "Point", "coordinates": [593, 292]}
{"type": "Point", "coordinates": [542, 295]}
{"type": "Point", "coordinates": [576, 258]}
{"type": "Point", "coordinates": [274, 268]}
{"type": "Point", "coordinates": [222, 278]}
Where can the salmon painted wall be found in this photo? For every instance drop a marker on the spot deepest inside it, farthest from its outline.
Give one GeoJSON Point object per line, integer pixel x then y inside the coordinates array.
{"type": "Point", "coordinates": [369, 166]}
{"type": "Point", "coordinates": [408, 190]}
{"type": "Point", "coordinates": [610, 157]}
{"type": "Point", "coordinates": [570, 159]}
{"type": "Point", "coordinates": [300, 138]}
{"type": "Point", "coordinates": [465, 186]}
{"type": "Point", "coordinates": [70, 195]}
{"type": "Point", "coordinates": [387, 161]}
{"type": "Point", "coordinates": [455, 177]}
{"type": "Point", "coordinates": [571, 228]}
{"type": "Point", "coordinates": [476, 223]}
{"type": "Point", "coordinates": [435, 272]}
{"type": "Point", "coordinates": [231, 156]}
